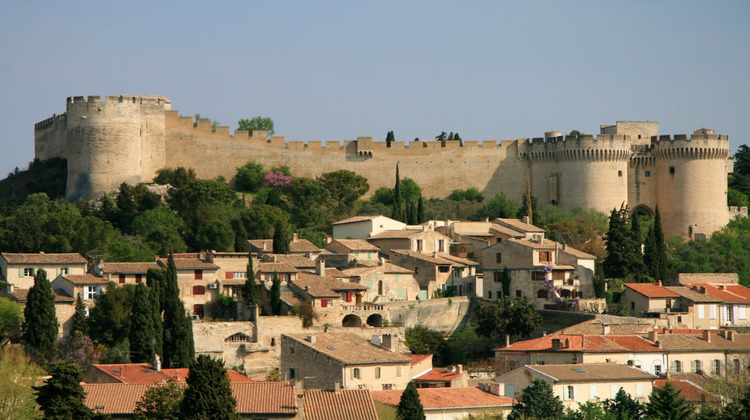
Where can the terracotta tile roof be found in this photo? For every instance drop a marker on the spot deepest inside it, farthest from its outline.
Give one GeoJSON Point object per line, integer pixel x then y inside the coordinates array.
{"type": "Point", "coordinates": [633, 342]}
{"type": "Point", "coordinates": [396, 234]}
{"type": "Point", "coordinates": [594, 327]}
{"type": "Point", "coordinates": [729, 293]}
{"type": "Point", "coordinates": [457, 260]}
{"type": "Point", "coordinates": [577, 253]}
{"type": "Point", "coordinates": [356, 219]}
{"type": "Point", "coordinates": [651, 290]}
{"type": "Point", "coordinates": [440, 375]}
{"type": "Point", "coordinates": [417, 358]}
{"type": "Point", "coordinates": [351, 245]}
{"type": "Point", "coordinates": [297, 261]}
{"type": "Point", "coordinates": [22, 295]}
{"type": "Point", "coordinates": [442, 398]}
{"type": "Point", "coordinates": [687, 293]}
{"type": "Point", "coordinates": [590, 372]}
{"type": "Point", "coordinates": [190, 264]}
{"type": "Point", "coordinates": [324, 287]}
{"type": "Point", "coordinates": [544, 244]}
{"type": "Point", "coordinates": [62, 297]}
{"type": "Point", "coordinates": [335, 272]}
{"type": "Point", "coordinates": [689, 390]}
{"type": "Point", "coordinates": [43, 258]}
{"type": "Point", "coordinates": [349, 349]}
{"type": "Point", "coordinates": [581, 343]}
{"type": "Point", "coordinates": [144, 373]}
{"type": "Point", "coordinates": [265, 267]}
{"type": "Point", "coordinates": [261, 398]}
{"type": "Point", "coordinates": [518, 225]}
{"type": "Point", "coordinates": [84, 279]}
{"type": "Point", "coordinates": [348, 404]}
{"type": "Point", "coordinates": [689, 342]}
{"type": "Point", "coordinates": [387, 268]}
{"type": "Point", "coordinates": [128, 267]}
{"type": "Point", "coordinates": [495, 228]}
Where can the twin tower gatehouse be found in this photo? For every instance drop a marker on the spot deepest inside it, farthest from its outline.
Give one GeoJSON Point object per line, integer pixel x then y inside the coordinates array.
{"type": "Point", "coordinates": [115, 139]}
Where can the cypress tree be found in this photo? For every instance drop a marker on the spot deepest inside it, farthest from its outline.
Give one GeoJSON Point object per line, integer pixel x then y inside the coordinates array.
{"type": "Point", "coordinates": [276, 295]}
{"type": "Point", "coordinates": [623, 254]}
{"type": "Point", "coordinates": [251, 286]}
{"type": "Point", "coordinates": [240, 236]}
{"type": "Point", "coordinates": [667, 404]}
{"type": "Point", "coordinates": [142, 327]}
{"type": "Point", "coordinates": [637, 267]}
{"type": "Point", "coordinates": [40, 324]}
{"type": "Point", "coordinates": [281, 238]}
{"type": "Point", "coordinates": [62, 397]}
{"type": "Point", "coordinates": [154, 279]}
{"type": "Point", "coordinates": [410, 407]}
{"type": "Point", "coordinates": [209, 392]}
{"type": "Point", "coordinates": [79, 318]}
{"type": "Point", "coordinates": [660, 249]}
{"type": "Point", "coordinates": [420, 211]}
{"type": "Point", "coordinates": [177, 344]}
{"type": "Point", "coordinates": [398, 211]}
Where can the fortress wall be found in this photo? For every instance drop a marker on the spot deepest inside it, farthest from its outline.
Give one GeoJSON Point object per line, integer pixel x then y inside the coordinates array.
{"type": "Point", "coordinates": [50, 137]}
{"type": "Point", "coordinates": [642, 181]}
{"type": "Point", "coordinates": [152, 133]}
{"type": "Point", "coordinates": [692, 183]}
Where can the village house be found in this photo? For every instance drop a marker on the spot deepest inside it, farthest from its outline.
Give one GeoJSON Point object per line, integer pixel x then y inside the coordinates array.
{"type": "Point", "coordinates": [344, 253]}
{"type": "Point", "coordinates": [124, 272]}
{"type": "Point", "coordinates": [362, 227]}
{"type": "Point", "coordinates": [143, 373]}
{"type": "Point", "coordinates": [323, 292]}
{"type": "Point", "coordinates": [422, 239]}
{"type": "Point", "coordinates": [734, 300]}
{"type": "Point", "coordinates": [385, 282]}
{"type": "Point", "coordinates": [339, 404]}
{"type": "Point", "coordinates": [18, 269]}
{"type": "Point", "coordinates": [468, 239]}
{"type": "Point", "coordinates": [449, 403]}
{"type": "Point", "coordinates": [577, 384]}
{"type": "Point", "coordinates": [328, 359]}
{"type": "Point", "coordinates": [64, 305]}
{"type": "Point", "coordinates": [232, 271]}
{"type": "Point", "coordinates": [675, 306]}
{"type": "Point", "coordinates": [453, 376]}
{"type": "Point", "coordinates": [438, 271]}
{"type": "Point", "coordinates": [196, 279]}
{"type": "Point", "coordinates": [297, 246]}
{"type": "Point", "coordinates": [266, 270]}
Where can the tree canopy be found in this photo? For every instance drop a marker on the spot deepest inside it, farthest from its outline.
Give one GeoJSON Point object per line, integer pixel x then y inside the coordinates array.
{"type": "Point", "coordinates": [537, 402]}
{"type": "Point", "coordinates": [40, 320]}
{"type": "Point", "coordinates": [208, 393]}
{"type": "Point", "coordinates": [257, 123]}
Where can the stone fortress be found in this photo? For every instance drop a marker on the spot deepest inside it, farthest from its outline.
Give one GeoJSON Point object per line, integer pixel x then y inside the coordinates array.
{"type": "Point", "coordinates": [116, 139]}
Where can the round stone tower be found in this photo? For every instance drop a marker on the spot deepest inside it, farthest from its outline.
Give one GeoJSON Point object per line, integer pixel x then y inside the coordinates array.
{"type": "Point", "coordinates": [691, 189]}
{"type": "Point", "coordinates": [119, 139]}
{"type": "Point", "coordinates": [581, 171]}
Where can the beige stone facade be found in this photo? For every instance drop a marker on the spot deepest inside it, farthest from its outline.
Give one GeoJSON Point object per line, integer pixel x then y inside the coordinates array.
{"type": "Point", "coordinates": [628, 163]}
{"type": "Point", "coordinates": [18, 269]}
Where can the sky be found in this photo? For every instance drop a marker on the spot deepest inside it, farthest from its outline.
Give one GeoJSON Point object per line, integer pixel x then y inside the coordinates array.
{"type": "Point", "coordinates": [336, 70]}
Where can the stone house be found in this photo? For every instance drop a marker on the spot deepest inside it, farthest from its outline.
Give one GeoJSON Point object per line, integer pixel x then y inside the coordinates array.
{"type": "Point", "coordinates": [679, 306]}
{"type": "Point", "coordinates": [64, 305]}
{"type": "Point", "coordinates": [453, 376]}
{"type": "Point", "coordinates": [357, 252]}
{"type": "Point", "coordinates": [266, 270]}
{"type": "Point", "coordinates": [124, 272]}
{"type": "Point", "coordinates": [197, 281]}
{"type": "Point", "coordinates": [468, 239]}
{"type": "Point", "coordinates": [297, 246]}
{"type": "Point", "coordinates": [362, 227]}
{"type": "Point", "coordinates": [326, 293]}
{"type": "Point", "coordinates": [385, 282]}
{"type": "Point", "coordinates": [232, 271]}
{"type": "Point", "coordinates": [544, 272]}
{"type": "Point", "coordinates": [580, 383]}
{"type": "Point", "coordinates": [437, 271]}
{"type": "Point", "coordinates": [734, 301]}
{"type": "Point", "coordinates": [422, 239]}
{"type": "Point", "coordinates": [18, 269]}
{"type": "Point", "coordinates": [329, 360]}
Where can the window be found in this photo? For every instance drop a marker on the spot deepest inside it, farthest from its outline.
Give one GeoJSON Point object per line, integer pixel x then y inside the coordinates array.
{"type": "Point", "coordinates": [292, 373]}
{"type": "Point", "coordinates": [398, 371]}
{"type": "Point", "coordinates": [122, 278]}
{"type": "Point", "coordinates": [198, 310]}
{"type": "Point", "coordinates": [199, 290]}
{"type": "Point", "coordinates": [489, 294]}
{"type": "Point", "coordinates": [199, 274]}
{"type": "Point", "coordinates": [712, 311]}
{"type": "Point", "coordinates": [737, 366]}
{"type": "Point", "coordinates": [419, 245]}
{"type": "Point", "coordinates": [538, 275]}
{"type": "Point", "coordinates": [545, 256]}
{"type": "Point", "coordinates": [716, 367]}
{"type": "Point", "coordinates": [499, 257]}
{"type": "Point", "coordinates": [90, 292]}
{"type": "Point", "coordinates": [498, 276]}
{"type": "Point", "coordinates": [657, 368]}
{"type": "Point", "coordinates": [639, 390]}
{"type": "Point", "coordinates": [441, 245]}
{"type": "Point", "coordinates": [677, 366]}
{"type": "Point", "coordinates": [570, 392]}
{"type": "Point", "coordinates": [701, 311]}
{"type": "Point", "coordinates": [518, 293]}
{"type": "Point", "coordinates": [65, 270]}
{"type": "Point", "coordinates": [696, 366]}
{"type": "Point", "coordinates": [671, 170]}
{"type": "Point", "coordinates": [138, 278]}
{"type": "Point", "coordinates": [356, 373]}
{"type": "Point", "coordinates": [28, 272]}
{"type": "Point", "coordinates": [387, 387]}
{"type": "Point", "coordinates": [592, 392]}
{"type": "Point", "coordinates": [619, 173]}
{"type": "Point", "coordinates": [647, 173]}
{"type": "Point", "coordinates": [542, 294]}
{"type": "Point", "coordinates": [396, 278]}
{"type": "Point", "coordinates": [239, 275]}
{"type": "Point", "coordinates": [510, 390]}
{"type": "Point", "coordinates": [632, 305]}
{"type": "Point", "coordinates": [377, 372]}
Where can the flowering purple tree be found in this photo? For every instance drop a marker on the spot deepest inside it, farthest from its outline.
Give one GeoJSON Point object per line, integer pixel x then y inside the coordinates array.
{"type": "Point", "coordinates": [80, 349]}
{"type": "Point", "coordinates": [276, 179]}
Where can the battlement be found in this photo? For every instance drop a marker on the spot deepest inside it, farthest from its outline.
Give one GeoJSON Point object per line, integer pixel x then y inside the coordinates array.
{"type": "Point", "coordinates": [135, 99]}
{"type": "Point", "coordinates": [604, 147]}
{"type": "Point", "coordinates": [697, 146]}
{"type": "Point", "coordinates": [54, 119]}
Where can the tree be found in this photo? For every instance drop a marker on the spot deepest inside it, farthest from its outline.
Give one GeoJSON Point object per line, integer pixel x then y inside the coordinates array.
{"type": "Point", "coordinates": [257, 123]}
{"type": "Point", "coordinates": [62, 397]}
{"type": "Point", "coordinates": [249, 177]}
{"type": "Point", "coordinates": [498, 206]}
{"type": "Point", "coordinates": [209, 392]}
{"type": "Point", "coordinates": [420, 211]}
{"type": "Point", "coordinates": [281, 238]}
{"type": "Point", "coordinates": [17, 374]}
{"type": "Point", "coordinates": [177, 344]}
{"type": "Point", "coordinates": [160, 402]}
{"type": "Point", "coordinates": [345, 189]}
{"type": "Point", "coordinates": [537, 402]}
{"type": "Point", "coordinates": [142, 327]}
{"type": "Point", "coordinates": [40, 326]}
{"type": "Point", "coordinates": [742, 160]}
{"type": "Point", "coordinates": [512, 317]}
{"type": "Point", "coordinates": [623, 255]}
{"type": "Point", "coordinates": [11, 320]}
{"type": "Point", "coordinates": [177, 177]}
{"type": "Point", "coordinates": [155, 281]}
{"type": "Point", "coordinates": [666, 404]}
{"type": "Point", "coordinates": [79, 349]}
{"type": "Point", "coordinates": [522, 316]}
{"type": "Point", "coordinates": [528, 205]}
{"type": "Point", "coordinates": [410, 407]}
{"type": "Point", "coordinates": [109, 318]}
{"type": "Point", "coordinates": [389, 138]}
{"type": "Point", "coordinates": [161, 229]}
{"type": "Point", "coordinates": [276, 295]}
{"type": "Point", "coordinates": [655, 255]}
{"type": "Point", "coordinates": [251, 292]}
{"type": "Point", "coordinates": [79, 318]}
{"type": "Point", "coordinates": [398, 209]}
{"type": "Point", "coordinates": [625, 407]}
{"type": "Point", "coordinates": [422, 340]}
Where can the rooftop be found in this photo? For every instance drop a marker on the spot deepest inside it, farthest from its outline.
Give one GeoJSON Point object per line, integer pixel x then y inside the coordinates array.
{"type": "Point", "coordinates": [353, 245]}
{"type": "Point", "coordinates": [189, 264]}
{"type": "Point", "coordinates": [348, 348]}
{"type": "Point", "coordinates": [442, 398]}
{"type": "Point", "coordinates": [346, 404]}
{"type": "Point", "coordinates": [43, 258]}
{"type": "Point", "coordinates": [581, 343]}
{"type": "Point", "coordinates": [651, 290]}
{"type": "Point", "coordinates": [128, 267]}
{"type": "Point", "coordinates": [84, 279]}
{"type": "Point", "coordinates": [590, 372]}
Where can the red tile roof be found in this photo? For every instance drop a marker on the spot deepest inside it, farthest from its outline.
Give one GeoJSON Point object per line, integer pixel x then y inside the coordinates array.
{"type": "Point", "coordinates": [417, 358]}
{"type": "Point", "coordinates": [144, 373]}
{"type": "Point", "coordinates": [651, 290]}
{"type": "Point", "coordinates": [581, 343]}
{"type": "Point", "coordinates": [729, 293]}
{"type": "Point", "coordinates": [590, 372]}
{"type": "Point", "coordinates": [347, 404]}
{"type": "Point", "coordinates": [440, 375]}
{"type": "Point", "coordinates": [441, 398]}
{"type": "Point", "coordinates": [22, 295]}
{"type": "Point", "coordinates": [688, 390]}
{"type": "Point", "coordinates": [347, 348]}
{"type": "Point", "coordinates": [190, 264]}
{"type": "Point", "coordinates": [113, 398]}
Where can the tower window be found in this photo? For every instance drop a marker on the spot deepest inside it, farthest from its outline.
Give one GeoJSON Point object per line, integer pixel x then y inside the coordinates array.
{"type": "Point", "coordinates": [619, 173]}
{"type": "Point", "coordinates": [647, 173]}
{"type": "Point", "coordinates": [671, 170]}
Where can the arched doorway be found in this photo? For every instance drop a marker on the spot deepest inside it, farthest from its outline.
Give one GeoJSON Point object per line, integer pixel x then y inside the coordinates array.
{"type": "Point", "coordinates": [642, 210]}
{"type": "Point", "coordinates": [375, 320]}
{"type": "Point", "coordinates": [351, 320]}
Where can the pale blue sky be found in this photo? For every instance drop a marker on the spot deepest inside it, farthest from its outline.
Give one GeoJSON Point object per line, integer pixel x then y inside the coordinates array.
{"type": "Point", "coordinates": [333, 70]}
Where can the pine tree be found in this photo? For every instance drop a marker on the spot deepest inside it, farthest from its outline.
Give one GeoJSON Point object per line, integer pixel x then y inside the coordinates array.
{"type": "Point", "coordinates": [281, 238]}
{"type": "Point", "coordinates": [209, 392]}
{"type": "Point", "coordinates": [251, 286]}
{"type": "Point", "coordinates": [389, 139]}
{"type": "Point", "coordinates": [420, 211]}
{"type": "Point", "coordinates": [398, 210]}
{"type": "Point", "coordinates": [624, 406]}
{"type": "Point", "coordinates": [667, 404]}
{"type": "Point", "coordinates": [623, 254]}
{"type": "Point", "coordinates": [40, 320]}
{"type": "Point", "coordinates": [537, 402]}
{"type": "Point", "coordinates": [276, 295]}
{"type": "Point", "coordinates": [62, 397]}
{"type": "Point", "coordinates": [154, 280]}
{"type": "Point", "coordinates": [410, 407]}
{"type": "Point", "coordinates": [142, 327]}
{"type": "Point", "coordinates": [177, 344]}
{"type": "Point", "coordinates": [80, 326]}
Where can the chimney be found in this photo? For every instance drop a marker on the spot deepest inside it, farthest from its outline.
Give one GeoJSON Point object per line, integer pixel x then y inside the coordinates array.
{"type": "Point", "coordinates": [329, 238]}
{"type": "Point", "coordinates": [653, 335]}
{"type": "Point", "coordinates": [707, 336]}
{"type": "Point", "coordinates": [295, 238]}
{"type": "Point", "coordinates": [658, 283]}
{"type": "Point", "coordinates": [300, 393]}
{"type": "Point", "coordinates": [544, 333]}
{"type": "Point", "coordinates": [311, 339]}
{"type": "Point", "coordinates": [11, 287]}
{"type": "Point", "coordinates": [507, 340]}
{"type": "Point", "coordinates": [337, 387]}
{"type": "Point", "coordinates": [658, 344]}
{"type": "Point", "coordinates": [460, 368]}
{"type": "Point", "coordinates": [320, 267]}
{"type": "Point", "coordinates": [389, 342]}
{"type": "Point", "coordinates": [157, 363]}
{"type": "Point", "coordinates": [525, 219]}
{"type": "Point", "coordinates": [381, 261]}
{"type": "Point", "coordinates": [606, 329]}
{"type": "Point", "coordinates": [703, 290]}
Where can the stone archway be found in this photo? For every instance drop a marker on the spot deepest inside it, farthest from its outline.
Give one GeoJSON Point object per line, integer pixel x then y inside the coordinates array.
{"type": "Point", "coordinates": [351, 320]}
{"type": "Point", "coordinates": [375, 320]}
{"type": "Point", "coordinates": [642, 210]}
